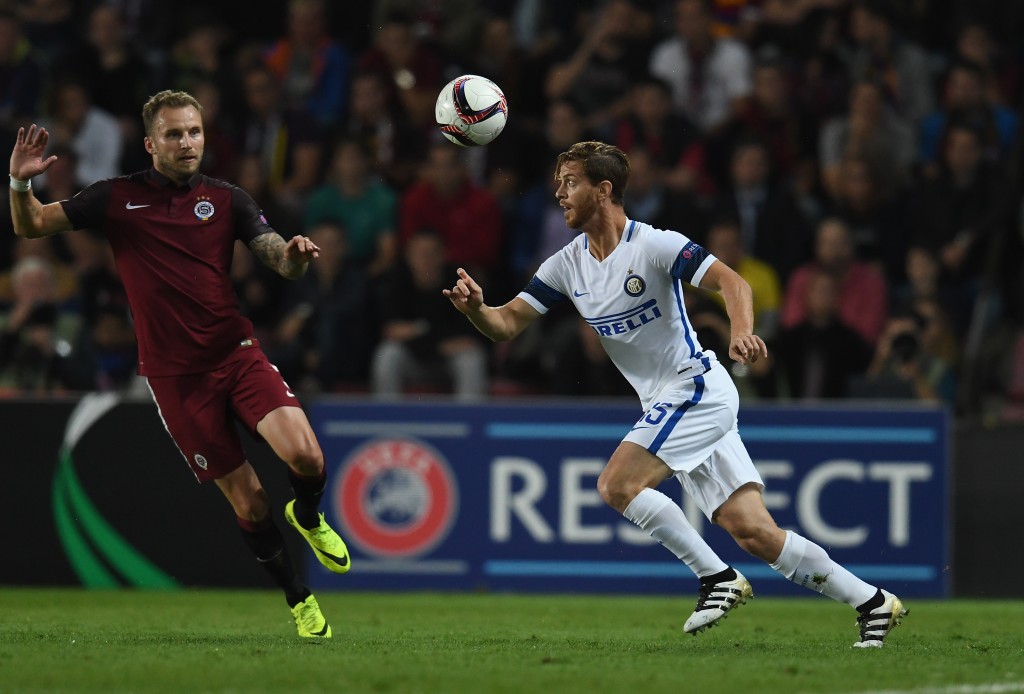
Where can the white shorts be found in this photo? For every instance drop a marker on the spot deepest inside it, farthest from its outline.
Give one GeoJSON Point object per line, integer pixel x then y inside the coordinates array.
{"type": "Point", "coordinates": [692, 428]}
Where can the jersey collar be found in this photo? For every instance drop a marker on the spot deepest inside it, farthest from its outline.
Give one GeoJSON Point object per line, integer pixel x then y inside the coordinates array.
{"type": "Point", "coordinates": [628, 230]}
{"type": "Point", "coordinates": [164, 182]}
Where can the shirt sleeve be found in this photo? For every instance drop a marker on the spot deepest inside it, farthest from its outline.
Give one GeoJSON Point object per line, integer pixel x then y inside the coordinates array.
{"type": "Point", "coordinates": [88, 209]}
{"type": "Point", "coordinates": [249, 220]}
{"type": "Point", "coordinates": [544, 289]}
{"type": "Point", "coordinates": [677, 255]}
{"type": "Point", "coordinates": [691, 263]}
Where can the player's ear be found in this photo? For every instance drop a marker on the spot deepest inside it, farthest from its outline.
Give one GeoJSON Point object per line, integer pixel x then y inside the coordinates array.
{"type": "Point", "coordinates": [148, 142]}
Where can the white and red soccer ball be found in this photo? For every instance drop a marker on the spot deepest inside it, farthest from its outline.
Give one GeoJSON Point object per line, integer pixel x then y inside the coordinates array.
{"type": "Point", "coordinates": [471, 110]}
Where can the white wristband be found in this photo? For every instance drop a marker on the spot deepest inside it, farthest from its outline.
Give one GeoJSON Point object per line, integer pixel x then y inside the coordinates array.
{"type": "Point", "coordinates": [21, 186]}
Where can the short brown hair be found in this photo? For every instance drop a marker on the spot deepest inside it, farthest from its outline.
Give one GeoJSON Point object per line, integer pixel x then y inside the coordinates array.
{"type": "Point", "coordinates": [601, 162]}
{"type": "Point", "coordinates": [166, 99]}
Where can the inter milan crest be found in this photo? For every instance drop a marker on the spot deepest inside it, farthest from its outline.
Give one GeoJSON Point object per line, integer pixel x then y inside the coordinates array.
{"type": "Point", "coordinates": [634, 284]}
{"type": "Point", "coordinates": [204, 209]}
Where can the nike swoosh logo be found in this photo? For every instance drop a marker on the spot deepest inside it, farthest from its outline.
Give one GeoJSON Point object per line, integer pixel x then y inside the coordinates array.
{"type": "Point", "coordinates": [577, 294]}
{"type": "Point", "coordinates": [340, 561]}
{"type": "Point", "coordinates": [640, 427]}
{"type": "Point", "coordinates": [130, 206]}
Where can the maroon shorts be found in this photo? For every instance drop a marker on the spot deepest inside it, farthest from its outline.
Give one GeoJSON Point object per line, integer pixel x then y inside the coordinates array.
{"type": "Point", "coordinates": [198, 409]}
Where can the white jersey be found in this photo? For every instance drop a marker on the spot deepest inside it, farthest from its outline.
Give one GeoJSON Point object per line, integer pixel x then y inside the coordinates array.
{"type": "Point", "coordinates": [633, 299]}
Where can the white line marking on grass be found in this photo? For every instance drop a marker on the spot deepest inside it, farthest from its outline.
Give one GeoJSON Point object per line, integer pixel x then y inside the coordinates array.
{"type": "Point", "coordinates": [993, 688]}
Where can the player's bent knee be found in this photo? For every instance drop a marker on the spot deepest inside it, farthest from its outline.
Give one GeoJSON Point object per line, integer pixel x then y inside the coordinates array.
{"type": "Point", "coordinates": [614, 493]}
{"type": "Point", "coordinates": [306, 459]}
{"type": "Point", "coordinates": [301, 452]}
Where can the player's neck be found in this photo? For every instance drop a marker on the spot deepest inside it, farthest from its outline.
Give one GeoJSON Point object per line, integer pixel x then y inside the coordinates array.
{"type": "Point", "coordinates": [171, 176]}
{"type": "Point", "coordinates": [604, 231]}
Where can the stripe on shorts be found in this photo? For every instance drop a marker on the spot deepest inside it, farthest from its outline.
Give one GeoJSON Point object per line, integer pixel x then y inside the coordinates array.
{"type": "Point", "coordinates": [666, 431]}
{"type": "Point", "coordinates": [160, 413]}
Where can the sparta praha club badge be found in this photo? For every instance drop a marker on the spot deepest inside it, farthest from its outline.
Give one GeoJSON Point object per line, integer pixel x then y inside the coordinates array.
{"type": "Point", "coordinates": [396, 498]}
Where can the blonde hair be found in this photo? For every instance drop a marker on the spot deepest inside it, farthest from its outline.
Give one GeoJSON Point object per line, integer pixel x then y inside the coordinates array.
{"type": "Point", "coordinates": [166, 99]}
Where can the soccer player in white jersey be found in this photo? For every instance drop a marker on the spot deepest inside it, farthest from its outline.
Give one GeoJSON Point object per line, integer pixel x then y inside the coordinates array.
{"type": "Point", "coordinates": [626, 279]}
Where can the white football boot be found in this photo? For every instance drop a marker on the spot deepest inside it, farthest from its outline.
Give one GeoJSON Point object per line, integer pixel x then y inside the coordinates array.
{"type": "Point", "coordinates": [876, 624]}
{"type": "Point", "coordinates": [715, 601]}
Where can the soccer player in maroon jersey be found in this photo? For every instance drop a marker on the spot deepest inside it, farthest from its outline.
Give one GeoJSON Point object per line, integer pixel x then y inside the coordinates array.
{"type": "Point", "coordinates": [172, 230]}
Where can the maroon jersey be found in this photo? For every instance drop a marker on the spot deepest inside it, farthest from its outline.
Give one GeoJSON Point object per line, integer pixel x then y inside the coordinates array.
{"type": "Point", "coordinates": [173, 246]}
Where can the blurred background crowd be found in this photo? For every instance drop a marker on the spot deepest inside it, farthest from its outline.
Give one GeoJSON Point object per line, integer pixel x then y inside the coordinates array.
{"type": "Point", "coordinates": [859, 162]}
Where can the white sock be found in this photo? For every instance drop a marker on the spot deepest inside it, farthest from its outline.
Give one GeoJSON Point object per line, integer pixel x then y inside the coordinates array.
{"type": "Point", "coordinates": [808, 565]}
{"type": "Point", "coordinates": [665, 521]}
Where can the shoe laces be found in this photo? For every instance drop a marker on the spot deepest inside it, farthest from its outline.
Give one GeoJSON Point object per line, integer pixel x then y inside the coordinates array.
{"type": "Point", "coordinates": [715, 596]}
{"type": "Point", "coordinates": [872, 625]}
{"type": "Point", "coordinates": [321, 531]}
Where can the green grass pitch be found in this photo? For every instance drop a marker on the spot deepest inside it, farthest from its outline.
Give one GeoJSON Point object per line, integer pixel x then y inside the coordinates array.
{"type": "Point", "coordinates": [238, 641]}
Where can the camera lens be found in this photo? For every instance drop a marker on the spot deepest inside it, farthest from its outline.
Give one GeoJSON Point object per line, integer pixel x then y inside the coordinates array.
{"type": "Point", "coordinates": [905, 346]}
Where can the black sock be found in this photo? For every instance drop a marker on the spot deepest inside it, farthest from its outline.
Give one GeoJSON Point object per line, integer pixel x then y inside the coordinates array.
{"type": "Point", "coordinates": [876, 601]}
{"type": "Point", "coordinates": [729, 574]}
{"type": "Point", "coordinates": [266, 543]}
{"type": "Point", "coordinates": [308, 491]}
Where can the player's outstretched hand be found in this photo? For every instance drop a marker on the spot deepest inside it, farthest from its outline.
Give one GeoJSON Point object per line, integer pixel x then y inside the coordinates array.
{"type": "Point", "coordinates": [301, 249]}
{"type": "Point", "coordinates": [746, 349]}
{"type": "Point", "coordinates": [27, 158]}
{"type": "Point", "coordinates": [466, 295]}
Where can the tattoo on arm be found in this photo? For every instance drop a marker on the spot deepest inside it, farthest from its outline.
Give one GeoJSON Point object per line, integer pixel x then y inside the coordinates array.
{"type": "Point", "coordinates": [270, 249]}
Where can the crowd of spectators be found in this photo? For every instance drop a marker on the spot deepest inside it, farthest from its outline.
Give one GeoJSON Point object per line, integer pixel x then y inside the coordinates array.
{"type": "Point", "coordinates": [857, 161]}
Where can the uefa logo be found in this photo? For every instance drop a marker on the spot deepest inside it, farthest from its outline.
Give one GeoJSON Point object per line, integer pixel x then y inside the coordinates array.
{"type": "Point", "coordinates": [396, 498]}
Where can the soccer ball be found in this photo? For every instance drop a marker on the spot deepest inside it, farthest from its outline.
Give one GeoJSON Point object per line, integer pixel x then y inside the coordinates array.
{"type": "Point", "coordinates": [471, 110]}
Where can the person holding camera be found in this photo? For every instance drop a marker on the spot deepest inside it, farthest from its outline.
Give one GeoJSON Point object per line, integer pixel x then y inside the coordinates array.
{"type": "Point", "coordinates": [915, 357]}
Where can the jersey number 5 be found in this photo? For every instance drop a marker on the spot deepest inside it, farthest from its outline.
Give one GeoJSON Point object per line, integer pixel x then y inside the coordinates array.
{"type": "Point", "coordinates": [657, 412]}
